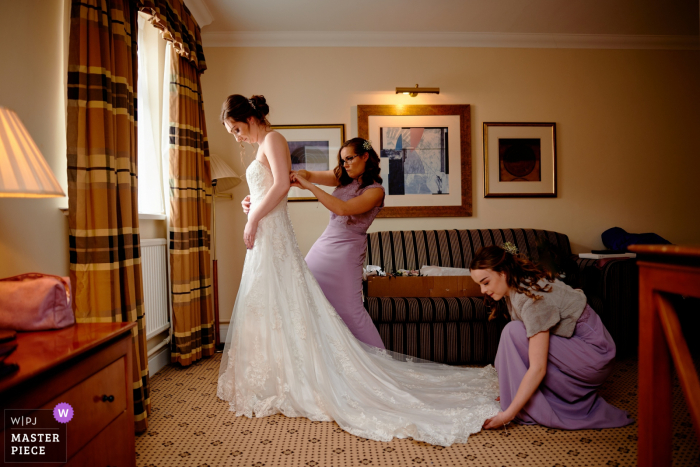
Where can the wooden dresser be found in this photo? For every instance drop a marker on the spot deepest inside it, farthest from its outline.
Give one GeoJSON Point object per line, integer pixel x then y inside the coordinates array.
{"type": "Point", "coordinates": [82, 365]}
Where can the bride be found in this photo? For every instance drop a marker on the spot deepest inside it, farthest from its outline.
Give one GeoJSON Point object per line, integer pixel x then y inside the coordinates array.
{"type": "Point", "coordinates": [287, 350]}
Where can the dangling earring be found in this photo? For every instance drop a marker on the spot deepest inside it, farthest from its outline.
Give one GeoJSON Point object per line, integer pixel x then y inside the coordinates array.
{"type": "Point", "coordinates": [242, 150]}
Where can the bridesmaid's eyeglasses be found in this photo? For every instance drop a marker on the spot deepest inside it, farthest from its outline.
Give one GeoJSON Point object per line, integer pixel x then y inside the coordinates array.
{"type": "Point", "coordinates": [348, 160]}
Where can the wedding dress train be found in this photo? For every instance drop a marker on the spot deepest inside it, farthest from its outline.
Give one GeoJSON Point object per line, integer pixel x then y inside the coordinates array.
{"type": "Point", "coordinates": [287, 351]}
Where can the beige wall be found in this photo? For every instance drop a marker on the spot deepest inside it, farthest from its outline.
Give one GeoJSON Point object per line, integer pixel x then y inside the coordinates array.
{"type": "Point", "coordinates": [626, 120]}
{"type": "Point", "coordinates": [33, 232]}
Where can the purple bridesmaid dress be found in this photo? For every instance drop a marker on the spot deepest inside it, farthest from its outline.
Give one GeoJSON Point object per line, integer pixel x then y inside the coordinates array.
{"type": "Point", "coordinates": [576, 367]}
{"type": "Point", "coordinates": [336, 261]}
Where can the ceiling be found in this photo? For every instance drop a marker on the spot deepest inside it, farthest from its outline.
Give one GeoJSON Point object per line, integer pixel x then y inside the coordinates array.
{"type": "Point", "coordinates": [671, 18]}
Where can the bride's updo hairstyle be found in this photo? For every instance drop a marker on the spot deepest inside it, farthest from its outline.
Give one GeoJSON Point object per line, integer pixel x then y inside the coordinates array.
{"type": "Point", "coordinates": [360, 147]}
{"type": "Point", "coordinates": [522, 274]}
{"type": "Point", "coordinates": [240, 108]}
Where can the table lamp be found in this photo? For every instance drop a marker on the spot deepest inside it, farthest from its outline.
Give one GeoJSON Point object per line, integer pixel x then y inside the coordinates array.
{"type": "Point", "coordinates": [24, 172]}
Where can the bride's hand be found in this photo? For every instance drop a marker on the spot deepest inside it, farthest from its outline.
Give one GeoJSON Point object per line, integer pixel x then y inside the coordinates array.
{"type": "Point", "coordinates": [499, 420]}
{"type": "Point", "coordinates": [249, 234]}
{"type": "Point", "coordinates": [246, 204]}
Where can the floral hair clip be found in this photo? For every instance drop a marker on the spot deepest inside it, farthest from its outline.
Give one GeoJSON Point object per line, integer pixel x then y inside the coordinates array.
{"type": "Point", "coordinates": [510, 248]}
{"type": "Point", "coordinates": [367, 145]}
{"type": "Point", "coordinates": [250, 101]}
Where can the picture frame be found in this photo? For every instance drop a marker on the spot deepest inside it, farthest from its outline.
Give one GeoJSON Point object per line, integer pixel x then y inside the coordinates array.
{"type": "Point", "coordinates": [520, 160]}
{"type": "Point", "coordinates": [425, 153]}
{"type": "Point", "coordinates": [312, 147]}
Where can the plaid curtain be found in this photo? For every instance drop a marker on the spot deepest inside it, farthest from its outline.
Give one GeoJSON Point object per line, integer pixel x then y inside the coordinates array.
{"type": "Point", "coordinates": [190, 184]}
{"type": "Point", "coordinates": [179, 27]}
{"type": "Point", "coordinates": [190, 216]}
{"type": "Point", "coordinates": [105, 260]}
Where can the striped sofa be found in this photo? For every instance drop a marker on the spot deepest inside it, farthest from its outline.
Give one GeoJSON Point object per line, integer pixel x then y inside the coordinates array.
{"type": "Point", "coordinates": [451, 330]}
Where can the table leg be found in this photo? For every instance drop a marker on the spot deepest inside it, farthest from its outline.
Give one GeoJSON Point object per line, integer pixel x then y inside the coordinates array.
{"type": "Point", "coordinates": [655, 423]}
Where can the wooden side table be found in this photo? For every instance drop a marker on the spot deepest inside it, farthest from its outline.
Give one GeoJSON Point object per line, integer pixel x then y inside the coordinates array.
{"type": "Point", "coordinates": [663, 269]}
{"type": "Point", "coordinates": [82, 365]}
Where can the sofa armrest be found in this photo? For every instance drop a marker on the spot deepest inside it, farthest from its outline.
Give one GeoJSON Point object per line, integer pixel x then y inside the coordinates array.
{"type": "Point", "coordinates": [614, 284]}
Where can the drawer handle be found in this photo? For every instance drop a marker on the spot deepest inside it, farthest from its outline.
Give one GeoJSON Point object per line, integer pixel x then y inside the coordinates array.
{"type": "Point", "coordinates": [106, 398]}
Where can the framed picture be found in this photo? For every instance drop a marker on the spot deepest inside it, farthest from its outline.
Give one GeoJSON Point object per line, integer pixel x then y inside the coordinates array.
{"type": "Point", "coordinates": [312, 147]}
{"type": "Point", "coordinates": [520, 160]}
{"type": "Point", "coordinates": [425, 153]}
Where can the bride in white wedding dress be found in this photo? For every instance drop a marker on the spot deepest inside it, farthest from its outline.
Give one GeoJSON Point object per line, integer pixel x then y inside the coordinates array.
{"type": "Point", "coordinates": [287, 350]}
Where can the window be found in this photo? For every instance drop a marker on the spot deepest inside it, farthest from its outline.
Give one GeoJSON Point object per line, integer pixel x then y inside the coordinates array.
{"type": "Point", "coordinates": [151, 59]}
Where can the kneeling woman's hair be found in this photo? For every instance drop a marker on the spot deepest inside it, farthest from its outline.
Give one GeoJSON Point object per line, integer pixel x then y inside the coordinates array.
{"type": "Point", "coordinates": [360, 147]}
{"type": "Point", "coordinates": [521, 274]}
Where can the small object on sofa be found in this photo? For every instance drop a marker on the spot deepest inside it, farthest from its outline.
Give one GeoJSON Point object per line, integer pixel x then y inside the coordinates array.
{"type": "Point", "coordinates": [406, 273]}
{"type": "Point", "coordinates": [602, 256]}
{"type": "Point", "coordinates": [35, 302]}
{"type": "Point", "coordinates": [618, 239]}
{"type": "Point", "coordinates": [441, 271]}
{"type": "Point", "coordinates": [372, 271]}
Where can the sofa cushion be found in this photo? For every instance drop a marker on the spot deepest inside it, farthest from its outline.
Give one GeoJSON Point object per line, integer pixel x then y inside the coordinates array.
{"type": "Point", "coordinates": [413, 249]}
{"type": "Point", "coordinates": [452, 330]}
{"type": "Point", "coordinates": [426, 310]}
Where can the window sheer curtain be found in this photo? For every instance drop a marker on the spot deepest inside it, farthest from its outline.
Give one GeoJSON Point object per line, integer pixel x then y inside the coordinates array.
{"type": "Point", "coordinates": [151, 193]}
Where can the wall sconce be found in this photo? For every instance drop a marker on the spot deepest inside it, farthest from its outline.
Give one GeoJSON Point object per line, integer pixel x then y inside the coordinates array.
{"type": "Point", "coordinates": [413, 92]}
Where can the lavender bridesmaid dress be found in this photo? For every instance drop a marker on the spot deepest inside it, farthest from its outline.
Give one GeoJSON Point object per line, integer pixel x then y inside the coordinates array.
{"type": "Point", "coordinates": [576, 367]}
{"type": "Point", "coordinates": [336, 261]}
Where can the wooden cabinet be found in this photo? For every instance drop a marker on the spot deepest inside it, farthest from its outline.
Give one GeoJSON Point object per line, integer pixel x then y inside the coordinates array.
{"type": "Point", "coordinates": [88, 366]}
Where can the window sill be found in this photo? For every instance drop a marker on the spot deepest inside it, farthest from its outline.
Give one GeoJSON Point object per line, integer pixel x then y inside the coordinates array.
{"type": "Point", "coordinates": [159, 217]}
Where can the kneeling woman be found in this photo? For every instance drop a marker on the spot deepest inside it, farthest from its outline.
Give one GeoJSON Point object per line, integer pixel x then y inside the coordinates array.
{"type": "Point", "coordinates": [553, 355]}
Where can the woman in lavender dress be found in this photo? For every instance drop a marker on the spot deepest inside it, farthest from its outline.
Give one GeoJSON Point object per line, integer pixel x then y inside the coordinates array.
{"type": "Point", "coordinates": [553, 355]}
{"type": "Point", "coordinates": [336, 258]}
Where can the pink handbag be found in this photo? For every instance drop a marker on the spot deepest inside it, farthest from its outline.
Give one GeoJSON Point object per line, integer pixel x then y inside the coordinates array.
{"type": "Point", "coordinates": [35, 302]}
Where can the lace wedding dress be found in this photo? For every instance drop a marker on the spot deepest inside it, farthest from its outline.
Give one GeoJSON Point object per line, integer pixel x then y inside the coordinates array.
{"type": "Point", "coordinates": [287, 351]}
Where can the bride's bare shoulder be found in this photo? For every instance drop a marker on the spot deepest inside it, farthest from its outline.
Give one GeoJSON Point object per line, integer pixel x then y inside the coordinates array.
{"type": "Point", "coordinates": [275, 138]}
{"type": "Point", "coordinates": [275, 143]}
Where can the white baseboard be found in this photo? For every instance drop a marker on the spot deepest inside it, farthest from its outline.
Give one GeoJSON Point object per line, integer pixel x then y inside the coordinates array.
{"type": "Point", "coordinates": [161, 359]}
{"type": "Point", "coordinates": [158, 361]}
{"type": "Point", "coordinates": [223, 332]}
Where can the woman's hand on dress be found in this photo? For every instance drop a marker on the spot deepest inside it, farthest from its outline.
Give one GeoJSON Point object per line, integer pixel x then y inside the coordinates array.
{"type": "Point", "coordinates": [246, 204]}
{"type": "Point", "coordinates": [298, 180]}
{"type": "Point", "coordinates": [251, 227]}
{"type": "Point", "coordinates": [499, 420]}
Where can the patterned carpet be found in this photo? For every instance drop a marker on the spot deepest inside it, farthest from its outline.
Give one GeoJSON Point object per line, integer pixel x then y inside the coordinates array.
{"type": "Point", "coordinates": [190, 426]}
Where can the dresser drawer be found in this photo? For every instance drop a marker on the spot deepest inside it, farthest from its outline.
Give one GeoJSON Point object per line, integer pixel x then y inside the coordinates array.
{"type": "Point", "coordinates": [91, 413]}
{"type": "Point", "coordinates": [113, 447]}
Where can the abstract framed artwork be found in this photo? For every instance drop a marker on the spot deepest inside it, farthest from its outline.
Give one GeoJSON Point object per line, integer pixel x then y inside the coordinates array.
{"type": "Point", "coordinates": [312, 147]}
{"type": "Point", "coordinates": [425, 156]}
{"type": "Point", "coordinates": [520, 160]}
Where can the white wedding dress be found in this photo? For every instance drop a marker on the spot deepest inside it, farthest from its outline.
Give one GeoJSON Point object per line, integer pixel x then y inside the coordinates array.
{"type": "Point", "coordinates": [287, 351]}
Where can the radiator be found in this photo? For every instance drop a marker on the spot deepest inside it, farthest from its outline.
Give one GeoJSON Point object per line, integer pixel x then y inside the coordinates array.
{"type": "Point", "coordinates": [154, 268]}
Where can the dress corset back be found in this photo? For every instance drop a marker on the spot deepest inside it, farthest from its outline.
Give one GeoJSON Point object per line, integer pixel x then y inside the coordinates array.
{"type": "Point", "coordinates": [260, 181]}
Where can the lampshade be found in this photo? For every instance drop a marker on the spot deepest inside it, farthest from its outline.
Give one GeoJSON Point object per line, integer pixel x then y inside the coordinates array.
{"type": "Point", "coordinates": [24, 172]}
{"type": "Point", "coordinates": [224, 175]}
